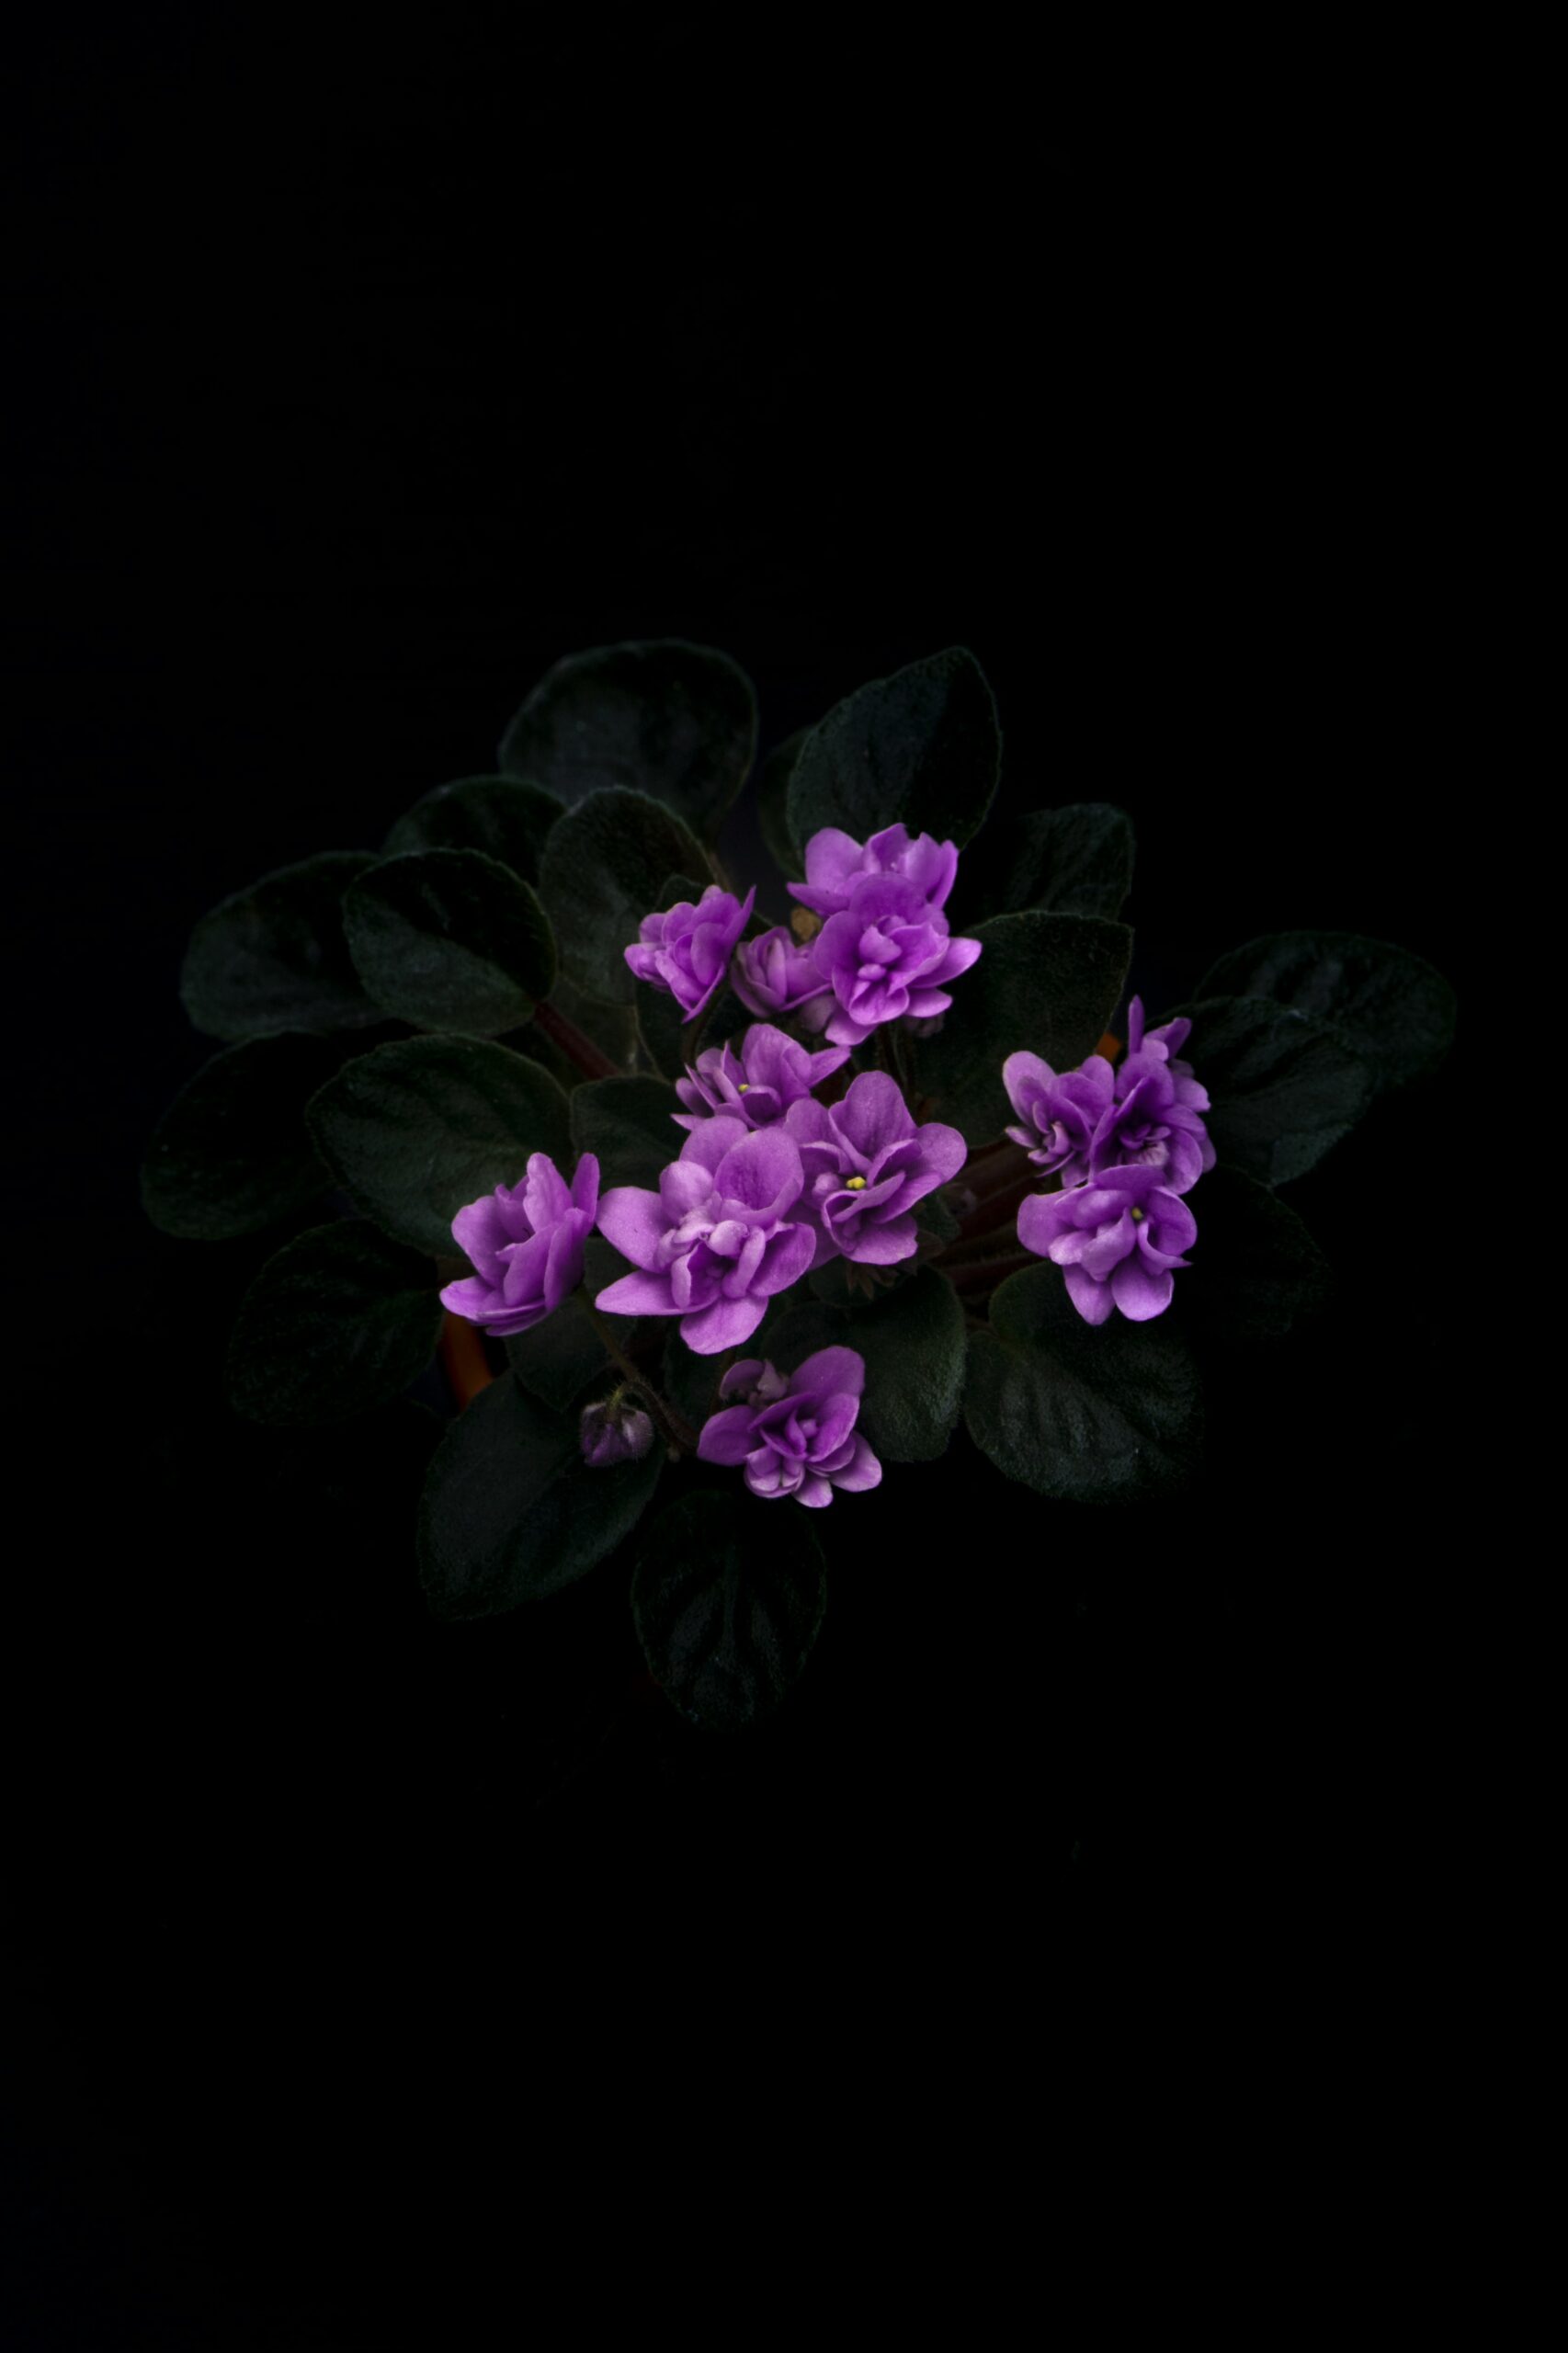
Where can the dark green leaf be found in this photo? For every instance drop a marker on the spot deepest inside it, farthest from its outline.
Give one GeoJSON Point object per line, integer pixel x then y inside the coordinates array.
{"type": "Point", "coordinates": [659, 716]}
{"type": "Point", "coordinates": [233, 1152]}
{"type": "Point", "coordinates": [934, 1217]}
{"type": "Point", "coordinates": [1090, 1414]}
{"type": "Point", "coordinates": [611, 1028]}
{"type": "Point", "coordinates": [603, 867]}
{"type": "Point", "coordinates": [728, 1595]}
{"type": "Point", "coordinates": [1076, 861]}
{"type": "Point", "coordinates": [561, 1358]}
{"type": "Point", "coordinates": [511, 1511]}
{"type": "Point", "coordinates": [629, 1124]}
{"type": "Point", "coordinates": [274, 957]}
{"type": "Point", "coordinates": [449, 940]}
{"type": "Point", "coordinates": [499, 814]}
{"type": "Point", "coordinates": [418, 1127]}
{"type": "Point", "coordinates": [1393, 1007]}
{"type": "Point", "coordinates": [773, 805]}
{"type": "Point", "coordinates": [912, 1336]}
{"type": "Point", "coordinates": [1047, 983]}
{"type": "Point", "coordinates": [1256, 1269]}
{"type": "Point", "coordinates": [921, 748]}
{"type": "Point", "coordinates": [340, 1321]}
{"type": "Point", "coordinates": [690, 1382]}
{"type": "Point", "coordinates": [1282, 1087]}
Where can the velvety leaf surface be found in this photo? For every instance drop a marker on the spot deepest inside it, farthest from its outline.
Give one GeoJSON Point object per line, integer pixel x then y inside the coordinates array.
{"type": "Point", "coordinates": [233, 1152]}
{"type": "Point", "coordinates": [629, 1123]}
{"type": "Point", "coordinates": [420, 1127]}
{"type": "Point", "coordinates": [660, 716]}
{"type": "Point", "coordinates": [612, 1027]}
{"type": "Point", "coordinates": [728, 1595]}
{"type": "Point", "coordinates": [773, 805]}
{"type": "Point", "coordinates": [511, 1512]}
{"type": "Point", "coordinates": [449, 940]}
{"type": "Point", "coordinates": [690, 1380]}
{"type": "Point", "coordinates": [1088, 1413]}
{"type": "Point", "coordinates": [341, 1319]}
{"type": "Point", "coordinates": [502, 815]}
{"type": "Point", "coordinates": [1256, 1271]}
{"type": "Point", "coordinates": [912, 1337]}
{"type": "Point", "coordinates": [274, 957]}
{"type": "Point", "coordinates": [602, 870]}
{"type": "Point", "coordinates": [922, 748]}
{"type": "Point", "coordinates": [559, 1360]}
{"type": "Point", "coordinates": [1282, 1087]}
{"type": "Point", "coordinates": [1047, 983]}
{"type": "Point", "coordinates": [1392, 1006]}
{"type": "Point", "coordinates": [1075, 860]}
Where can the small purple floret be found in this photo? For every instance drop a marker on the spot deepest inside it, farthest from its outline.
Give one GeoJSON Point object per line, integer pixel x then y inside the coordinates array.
{"type": "Point", "coordinates": [865, 1166]}
{"type": "Point", "coordinates": [794, 1433]}
{"type": "Point", "coordinates": [1116, 1239]}
{"type": "Point", "coordinates": [887, 952]}
{"type": "Point", "coordinates": [614, 1432]}
{"type": "Point", "coordinates": [1084, 1122]}
{"type": "Point", "coordinates": [835, 863]}
{"type": "Point", "coordinates": [758, 1083]}
{"type": "Point", "coordinates": [718, 1240]}
{"type": "Point", "coordinates": [686, 950]}
{"type": "Point", "coordinates": [527, 1241]}
{"type": "Point", "coordinates": [774, 973]}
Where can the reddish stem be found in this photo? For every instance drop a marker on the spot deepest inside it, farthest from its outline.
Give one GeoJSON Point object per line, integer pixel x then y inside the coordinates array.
{"type": "Point", "coordinates": [591, 1060]}
{"type": "Point", "coordinates": [463, 1359]}
{"type": "Point", "coordinates": [984, 1274]}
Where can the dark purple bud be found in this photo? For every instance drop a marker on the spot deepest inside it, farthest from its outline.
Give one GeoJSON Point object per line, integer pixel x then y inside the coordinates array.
{"type": "Point", "coordinates": [614, 1432]}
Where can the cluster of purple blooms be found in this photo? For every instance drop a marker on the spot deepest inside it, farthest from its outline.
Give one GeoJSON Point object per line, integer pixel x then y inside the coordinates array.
{"type": "Point", "coordinates": [1125, 1144]}
{"type": "Point", "coordinates": [771, 1182]}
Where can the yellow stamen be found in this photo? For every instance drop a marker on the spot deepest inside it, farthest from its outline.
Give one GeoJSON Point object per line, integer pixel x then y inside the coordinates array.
{"type": "Point", "coordinates": [855, 1183]}
{"type": "Point", "coordinates": [745, 1086]}
{"type": "Point", "coordinates": [1137, 1217]}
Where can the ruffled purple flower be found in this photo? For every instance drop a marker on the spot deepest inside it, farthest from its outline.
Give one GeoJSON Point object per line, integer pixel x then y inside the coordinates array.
{"type": "Point", "coordinates": [1147, 1111]}
{"type": "Point", "coordinates": [835, 863]}
{"type": "Point", "coordinates": [527, 1241]}
{"type": "Point", "coordinates": [794, 1433]}
{"type": "Point", "coordinates": [718, 1240]}
{"type": "Point", "coordinates": [885, 953]}
{"type": "Point", "coordinates": [613, 1432]}
{"type": "Point", "coordinates": [865, 1166]}
{"type": "Point", "coordinates": [1061, 1115]}
{"type": "Point", "coordinates": [758, 1083]}
{"type": "Point", "coordinates": [686, 950]}
{"type": "Point", "coordinates": [774, 973]}
{"type": "Point", "coordinates": [1116, 1239]}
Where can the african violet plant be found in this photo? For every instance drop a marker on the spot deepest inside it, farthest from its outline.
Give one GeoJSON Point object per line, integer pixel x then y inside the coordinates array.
{"type": "Point", "coordinates": [751, 1213]}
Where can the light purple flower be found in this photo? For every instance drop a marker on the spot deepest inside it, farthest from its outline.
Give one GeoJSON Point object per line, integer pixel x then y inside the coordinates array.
{"type": "Point", "coordinates": [886, 953]}
{"type": "Point", "coordinates": [795, 1434]}
{"type": "Point", "coordinates": [774, 973]}
{"type": "Point", "coordinates": [1061, 1115]}
{"type": "Point", "coordinates": [835, 863]}
{"type": "Point", "coordinates": [527, 1241]}
{"type": "Point", "coordinates": [1117, 1240]}
{"type": "Point", "coordinates": [866, 1166]}
{"type": "Point", "coordinates": [686, 950]}
{"type": "Point", "coordinates": [758, 1085]}
{"type": "Point", "coordinates": [1085, 1122]}
{"type": "Point", "coordinates": [613, 1432]}
{"type": "Point", "coordinates": [720, 1237]}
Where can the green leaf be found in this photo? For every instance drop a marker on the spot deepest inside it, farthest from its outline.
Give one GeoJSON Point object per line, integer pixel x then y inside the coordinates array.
{"type": "Point", "coordinates": [1089, 1414]}
{"type": "Point", "coordinates": [612, 1027]}
{"type": "Point", "coordinates": [1076, 860]}
{"type": "Point", "coordinates": [690, 1382]}
{"type": "Point", "coordinates": [1282, 1087]}
{"type": "Point", "coordinates": [417, 1129]}
{"type": "Point", "coordinates": [232, 1153]}
{"type": "Point", "coordinates": [629, 1124]}
{"type": "Point", "coordinates": [1392, 1006]}
{"type": "Point", "coordinates": [922, 749]}
{"type": "Point", "coordinates": [1047, 983]}
{"type": "Point", "coordinates": [912, 1337]}
{"type": "Point", "coordinates": [502, 815]}
{"type": "Point", "coordinates": [511, 1512]}
{"type": "Point", "coordinates": [934, 1217]}
{"type": "Point", "coordinates": [728, 1595]}
{"type": "Point", "coordinates": [1257, 1272]}
{"type": "Point", "coordinates": [449, 940]}
{"type": "Point", "coordinates": [340, 1321]}
{"type": "Point", "coordinates": [564, 1355]}
{"type": "Point", "coordinates": [677, 721]}
{"type": "Point", "coordinates": [773, 805]}
{"type": "Point", "coordinates": [602, 870]}
{"type": "Point", "coordinates": [274, 955]}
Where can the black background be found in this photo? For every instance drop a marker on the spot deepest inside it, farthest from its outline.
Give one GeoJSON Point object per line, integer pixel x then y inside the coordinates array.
{"type": "Point", "coordinates": [354, 383]}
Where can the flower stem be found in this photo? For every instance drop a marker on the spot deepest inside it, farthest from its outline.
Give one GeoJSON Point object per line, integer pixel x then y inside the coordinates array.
{"type": "Point", "coordinates": [984, 1274]}
{"type": "Point", "coordinates": [675, 1428]}
{"type": "Point", "coordinates": [591, 1060]}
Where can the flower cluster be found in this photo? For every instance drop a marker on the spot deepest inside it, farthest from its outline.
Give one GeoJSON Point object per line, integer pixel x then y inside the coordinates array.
{"type": "Point", "coordinates": [527, 1241]}
{"type": "Point", "coordinates": [686, 950]}
{"type": "Point", "coordinates": [1124, 1145]}
{"type": "Point", "coordinates": [794, 1434]}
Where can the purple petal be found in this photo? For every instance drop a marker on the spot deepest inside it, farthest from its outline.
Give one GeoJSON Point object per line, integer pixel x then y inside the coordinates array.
{"type": "Point", "coordinates": [638, 1294]}
{"type": "Point", "coordinates": [479, 1235]}
{"type": "Point", "coordinates": [563, 1268]}
{"type": "Point", "coordinates": [634, 1220]}
{"type": "Point", "coordinates": [1092, 1299]}
{"type": "Point", "coordinates": [863, 1470]}
{"type": "Point", "coordinates": [725, 1325]}
{"type": "Point", "coordinates": [960, 955]}
{"type": "Point", "coordinates": [812, 1491]}
{"type": "Point", "coordinates": [585, 1185]}
{"type": "Point", "coordinates": [686, 1184]}
{"type": "Point", "coordinates": [762, 1173]}
{"type": "Point", "coordinates": [837, 1417]}
{"type": "Point", "coordinates": [873, 1114]}
{"type": "Point", "coordinates": [1038, 1224]}
{"type": "Point", "coordinates": [545, 1196]}
{"type": "Point", "coordinates": [883, 1245]}
{"type": "Point", "coordinates": [726, 1437]}
{"type": "Point", "coordinates": [831, 1372]}
{"type": "Point", "coordinates": [1141, 1290]}
{"type": "Point", "coordinates": [522, 1279]}
{"type": "Point", "coordinates": [791, 1253]}
{"type": "Point", "coordinates": [472, 1298]}
{"type": "Point", "coordinates": [708, 1145]}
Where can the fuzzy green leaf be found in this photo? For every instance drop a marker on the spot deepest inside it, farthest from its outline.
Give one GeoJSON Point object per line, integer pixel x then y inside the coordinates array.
{"type": "Point", "coordinates": [340, 1321]}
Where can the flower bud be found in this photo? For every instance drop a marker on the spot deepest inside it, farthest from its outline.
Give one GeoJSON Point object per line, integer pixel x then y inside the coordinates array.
{"type": "Point", "coordinates": [613, 1431]}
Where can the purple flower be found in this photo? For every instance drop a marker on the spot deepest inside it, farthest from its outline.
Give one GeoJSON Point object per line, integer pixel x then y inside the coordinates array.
{"type": "Point", "coordinates": [1092, 1120]}
{"type": "Point", "coordinates": [865, 1166]}
{"type": "Point", "coordinates": [687, 949]}
{"type": "Point", "coordinates": [1117, 1240]}
{"type": "Point", "coordinates": [1061, 1115]}
{"type": "Point", "coordinates": [717, 1239]}
{"type": "Point", "coordinates": [795, 1434]}
{"type": "Point", "coordinates": [887, 953]}
{"type": "Point", "coordinates": [775, 974]}
{"type": "Point", "coordinates": [613, 1432]}
{"type": "Point", "coordinates": [527, 1241]}
{"type": "Point", "coordinates": [759, 1083]}
{"type": "Point", "coordinates": [835, 864]}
